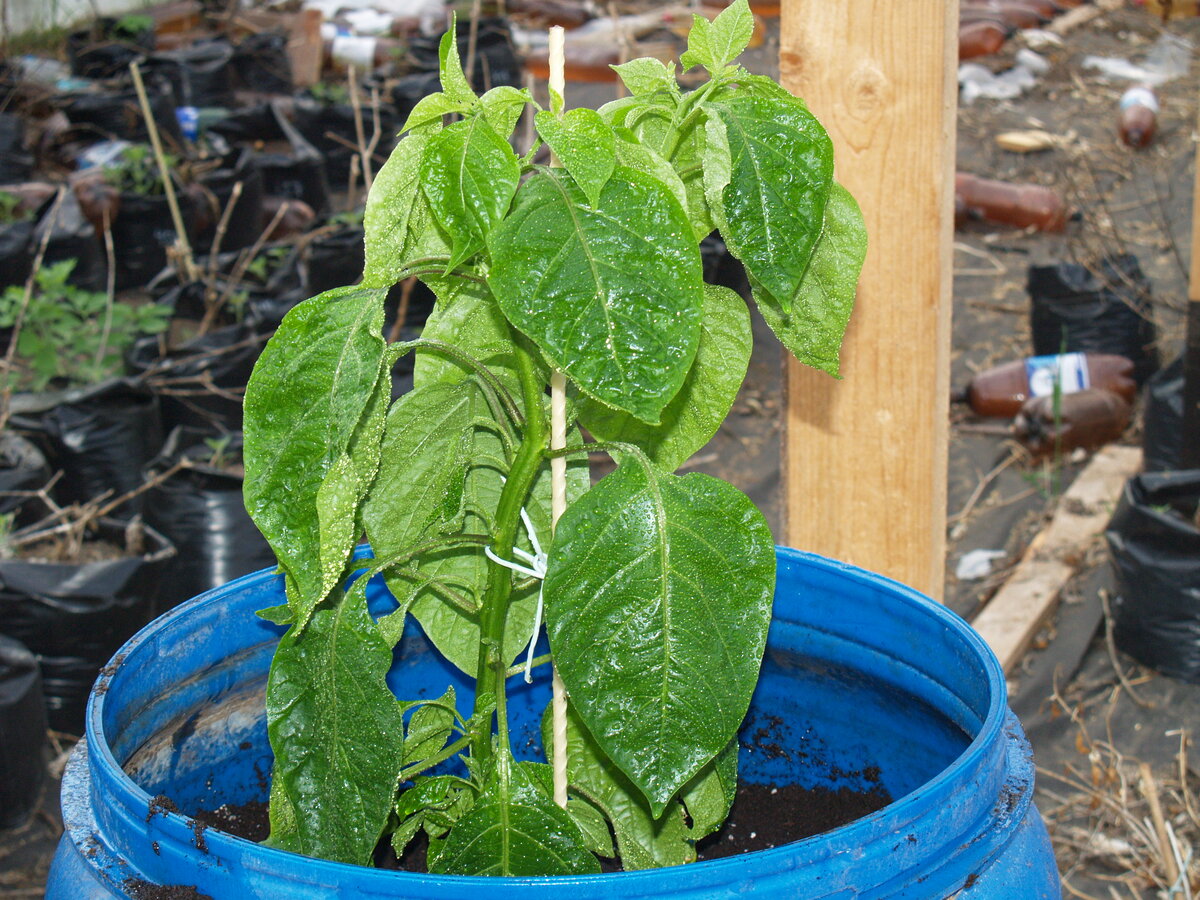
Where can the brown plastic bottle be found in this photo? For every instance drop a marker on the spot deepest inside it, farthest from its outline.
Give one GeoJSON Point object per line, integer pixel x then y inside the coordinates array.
{"type": "Point", "coordinates": [1138, 117]}
{"type": "Point", "coordinates": [981, 38]}
{"type": "Point", "coordinates": [1019, 205]}
{"type": "Point", "coordinates": [1004, 389]}
{"type": "Point", "coordinates": [1086, 419]}
{"type": "Point", "coordinates": [1010, 12]}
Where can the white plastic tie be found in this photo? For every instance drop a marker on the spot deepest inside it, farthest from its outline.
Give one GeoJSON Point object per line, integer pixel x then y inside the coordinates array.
{"type": "Point", "coordinates": [536, 568]}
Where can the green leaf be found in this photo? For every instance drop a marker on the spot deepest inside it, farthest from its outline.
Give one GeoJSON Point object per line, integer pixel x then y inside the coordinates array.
{"type": "Point", "coordinates": [584, 144]}
{"type": "Point", "coordinates": [644, 840]}
{"type": "Point", "coordinates": [692, 418]}
{"type": "Point", "coordinates": [648, 76]}
{"type": "Point", "coordinates": [813, 321]}
{"type": "Point", "coordinates": [433, 803]}
{"type": "Point", "coordinates": [502, 107]}
{"type": "Point", "coordinates": [711, 793]}
{"type": "Point", "coordinates": [454, 80]}
{"type": "Point", "coordinates": [336, 730]}
{"type": "Point", "coordinates": [429, 728]}
{"type": "Point", "coordinates": [717, 43]}
{"type": "Point", "coordinates": [658, 596]}
{"type": "Point", "coordinates": [687, 152]}
{"type": "Point", "coordinates": [314, 383]}
{"type": "Point", "coordinates": [514, 829]}
{"type": "Point", "coordinates": [431, 108]}
{"type": "Point", "coordinates": [781, 170]}
{"type": "Point", "coordinates": [638, 156]}
{"type": "Point", "coordinates": [469, 173]}
{"type": "Point", "coordinates": [399, 224]}
{"type": "Point", "coordinates": [467, 317]}
{"type": "Point", "coordinates": [613, 295]}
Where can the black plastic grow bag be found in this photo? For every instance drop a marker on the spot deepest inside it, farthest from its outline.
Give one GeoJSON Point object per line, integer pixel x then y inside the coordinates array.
{"type": "Point", "coordinates": [330, 127]}
{"type": "Point", "coordinates": [74, 616]}
{"type": "Point", "coordinates": [260, 63]}
{"type": "Point", "coordinates": [15, 162]}
{"type": "Point", "coordinates": [16, 252]}
{"type": "Point", "coordinates": [116, 115]}
{"type": "Point", "coordinates": [243, 226]}
{"type": "Point", "coordinates": [1155, 546]}
{"type": "Point", "coordinates": [200, 74]}
{"type": "Point", "coordinates": [73, 237]}
{"type": "Point", "coordinates": [95, 53]}
{"type": "Point", "coordinates": [1162, 429]}
{"type": "Point", "coordinates": [1102, 309]}
{"type": "Point", "coordinates": [23, 467]}
{"type": "Point", "coordinates": [22, 733]}
{"type": "Point", "coordinates": [201, 511]}
{"type": "Point", "coordinates": [142, 232]}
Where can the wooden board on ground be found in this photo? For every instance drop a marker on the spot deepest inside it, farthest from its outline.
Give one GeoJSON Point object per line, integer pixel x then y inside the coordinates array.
{"type": "Point", "coordinates": [1013, 616]}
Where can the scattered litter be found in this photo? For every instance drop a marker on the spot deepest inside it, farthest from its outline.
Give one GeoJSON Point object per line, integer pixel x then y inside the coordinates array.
{"type": "Point", "coordinates": [1030, 141]}
{"type": "Point", "coordinates": [976, 80]}
{"type": "Point", "coordinates": [1168, 59]}
{"type": "Point", "coordinates": [1040, 39]}
{"type": "Point", "coordinates": [977, 564]}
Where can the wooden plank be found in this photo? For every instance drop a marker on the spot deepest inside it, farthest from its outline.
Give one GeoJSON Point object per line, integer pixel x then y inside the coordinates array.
{"type": "Point", "coordinates": [1013, 616]}
{"type": "Point", "coordinates": [1189, 444]}
{"type": "Point", "coordinates": [865, 457]}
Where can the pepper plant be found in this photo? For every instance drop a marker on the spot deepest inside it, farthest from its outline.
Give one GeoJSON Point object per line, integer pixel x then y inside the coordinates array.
{"type": "Point", "coordinates": [656, 587]}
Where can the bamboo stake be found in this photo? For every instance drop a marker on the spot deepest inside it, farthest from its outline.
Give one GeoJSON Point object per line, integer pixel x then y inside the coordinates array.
{"type": "Point", "coordinates": [1150, 792]}
{"type": "Point", "coordinates": [558, 470]}
{"type": "Point", "coordinates": [189, 264]}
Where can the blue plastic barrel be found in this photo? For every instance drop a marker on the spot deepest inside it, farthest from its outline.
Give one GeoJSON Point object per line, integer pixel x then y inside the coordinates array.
{"type": "Point", "coordinates": [861, 674]}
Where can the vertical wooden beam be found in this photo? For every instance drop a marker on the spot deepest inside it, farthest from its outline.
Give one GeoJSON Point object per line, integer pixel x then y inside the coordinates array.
{"type": "Point", "coordinates": [1189, 444]}
{"type": "Point", "coordinates": [865, 457]}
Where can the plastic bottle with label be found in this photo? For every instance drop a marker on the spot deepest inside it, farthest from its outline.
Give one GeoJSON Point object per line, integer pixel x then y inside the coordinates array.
{"type": "Point", "coordinates": [1138, 117]}
{"type": "Point", "coordinates": [1087, 419]}
{"type": "Point", "coordinates": [1019, 205]}
{"type": "Point", "coordinates": [981, 37]}
{"type": "Point", "coordinates": [1004, 389]}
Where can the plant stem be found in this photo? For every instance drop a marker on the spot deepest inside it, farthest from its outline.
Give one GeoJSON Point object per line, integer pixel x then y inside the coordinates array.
{"type": "Point", "coordinates": [492, 667]}
{"type": "Point", "coordinates": [426, 764]}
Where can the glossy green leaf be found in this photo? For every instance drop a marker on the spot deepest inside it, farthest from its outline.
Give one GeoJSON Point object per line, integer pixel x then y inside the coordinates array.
{"type": "Point", "coordinates": [467, 317]}
{"type": "Point", "coordinates": [432, 108]}
{"type": "Point", "coordinates": [709, 796]}
{"type": "Point", "coordinates": [658, 596]}
{"type": "Point", "coordinates": [644, 841]}
{"type": "Point", "coordinates": [502, 107]}
{"type": "Point", "coordinates": [433, 803]}
{"type": "Point", "coordinates": [454, 80]}
{"type": "Point", "coordinates": [584, 144]}
{"type": "Point", "coordinates": [429, 729]}
{"type": "Point", "coordinates": [692, 418]}
{"type": "Point", "coordinates": [336, 731]}
{"type": "Point", "coordinates": [469, 174]}
{"type": "Point", "coordinates": [687, 153]}
{"type": "Point", "coordinates": [514, 829]}
{"type": "Point", "coordinates": [714, 44]}
{"type": "Point", "coordinates": [781, 170]}
{"type": "Point", "coordinates": [398, 222]}
{"type": "Point", "coordinates": [648, 76]}
{"type": "Point", "coordinates": [612, 296]}
{"type": "Point", "coordinates": [312, 386]}
{"type": "Point", "coordinates": [635, 155]}
{"type": "Point", "coordinates": [813, 321]}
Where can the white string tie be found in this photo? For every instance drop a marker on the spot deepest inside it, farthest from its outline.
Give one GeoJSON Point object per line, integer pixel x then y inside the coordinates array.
{"type": "Point", "coordinates": [536, 568]}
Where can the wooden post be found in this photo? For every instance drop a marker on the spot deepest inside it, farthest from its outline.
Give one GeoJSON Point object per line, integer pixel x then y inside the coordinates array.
{"type": "Point", "coordinates": [865, 457]}
{"type": "Point", "coordinates": [1189, 444]}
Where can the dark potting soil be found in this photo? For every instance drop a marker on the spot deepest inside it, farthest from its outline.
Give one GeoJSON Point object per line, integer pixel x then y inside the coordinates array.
{"type": "Point", "coordinates": [763, 816]}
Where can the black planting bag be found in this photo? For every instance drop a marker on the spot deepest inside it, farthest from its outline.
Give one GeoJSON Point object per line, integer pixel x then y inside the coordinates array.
{"type": "Point", "coordinates": [200, 75]}
{"type": "Point", "coordinates": [94, 52]}
{"type": "Point", "coordinates": [1155, 547]}
{"type": "Point", "coordinates": [201, 511]}
{"type": "Point", "coordinates": [260, 63]}
{"type": "Point", "coordinates": [74, 238]}
{"type": "Point", "coordinates": [116, 115]}
{"type": "Point", "coordinates": [74, 616]}
{"type": "Point", "coordinates": [16, 163]}
{"type": "Point", "coordinates": [23, 467]}
{"type": "Point", "coordinates": [243, 227]}
{"type": "Point", "coordinates": [16, 252]}
{"type": "Point", "coordinates": [1102, 309]}
{"type": "Point", "coordinates": [142, 232]}
{"type": "Point", "coordinates": [1162, 431]}
{"type": "Point", "coordinates": [22, 733]}
{"type": "Point", "coordinates": [298, 175]}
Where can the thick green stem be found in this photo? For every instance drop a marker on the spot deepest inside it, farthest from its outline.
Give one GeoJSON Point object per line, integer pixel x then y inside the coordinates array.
{"type": "Point", "coordinates": [492, 667]}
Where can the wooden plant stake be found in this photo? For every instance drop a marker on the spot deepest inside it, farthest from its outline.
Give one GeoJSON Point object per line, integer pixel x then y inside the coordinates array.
{"type": "Point", "coordinates": [558, 471]}
{"type": "Point", "coordinates": [185, 247]}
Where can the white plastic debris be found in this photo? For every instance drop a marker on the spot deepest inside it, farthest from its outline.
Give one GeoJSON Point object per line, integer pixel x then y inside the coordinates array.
{"type": "Point", "coordinates": [976, 564]}
{"type": "Point", "coordinates": [975, 80]}
{"type": "Point", "coordinates": [1168, 59]}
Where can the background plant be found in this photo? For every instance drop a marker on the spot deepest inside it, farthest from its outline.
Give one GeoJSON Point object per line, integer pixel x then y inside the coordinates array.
{"type": "Point", "coordinates": [657, 588]}
{"type": "Point", "coordinates": [11, 209]}
{"type": "Point", "coordinates": [69, 335]}
{"type": "Point", "coordinates": [136, 172]}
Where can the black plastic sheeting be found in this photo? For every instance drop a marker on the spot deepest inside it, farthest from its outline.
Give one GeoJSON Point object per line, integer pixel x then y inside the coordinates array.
{"type": "Point", "coordinates": [73, 237]}
{"type": "Point", "coordinates": [23, 467]}
{"type": "Point", "coordinates": [1155, 546]}
{"type": "Point", "coordinates": [200, 75]}
{"type": "Point", "coordinates": [260, 63]}
{"type": "Point", "coordinates": [1102, 309]}
{"type": "Point", "coordinates": [1162, 429]}
{"type": "Point", "coordinates": [22, 733]}
{"type": "Point", "coordinates": [334, 260]}
{"type": "Point", "coordinates": [94, 53]}
{"type": "Point", "coordinates": [329, 127]}
{"type": "Point", "coordinates": [243, 226]}
{"type": "Point", "coordinates": [16, 252]}
{"type": "Point", "coordinates": [15, 162]}
{"type": "Point", "coordinates": [299, 175]}
{"type": "Point", "coordinates": [142, 232]}
{"type": "Point", "coordinates": [116, 115]}
{"type": "Point", "coordinates": [99, 436]}
{"type": "Point", "coordinates": [200, 382]}
{"type": "Point", "coordinates": [496, 61]}
{"type": "Point", "coordinates": [75, 616]}
{"type": "Point", "coordinates": [201, 511]}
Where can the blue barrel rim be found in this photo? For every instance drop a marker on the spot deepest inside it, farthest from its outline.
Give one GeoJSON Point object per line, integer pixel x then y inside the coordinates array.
{"type": "Point", "coordinates": [982, 752]}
